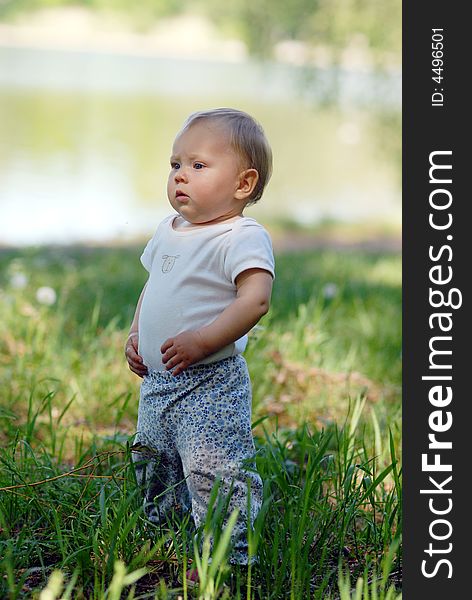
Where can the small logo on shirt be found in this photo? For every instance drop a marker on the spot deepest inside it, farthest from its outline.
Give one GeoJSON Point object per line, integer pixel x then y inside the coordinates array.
{"type": "Point", "coordinates": [169, 262]}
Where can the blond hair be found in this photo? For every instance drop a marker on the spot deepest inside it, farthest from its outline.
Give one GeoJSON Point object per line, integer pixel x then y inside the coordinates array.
{"type": "Point", "coordinates": [247, 139]}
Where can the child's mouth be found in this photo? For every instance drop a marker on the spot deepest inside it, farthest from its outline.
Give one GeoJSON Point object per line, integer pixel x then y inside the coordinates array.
{"type": "Point", "coordinates": [180, 196]}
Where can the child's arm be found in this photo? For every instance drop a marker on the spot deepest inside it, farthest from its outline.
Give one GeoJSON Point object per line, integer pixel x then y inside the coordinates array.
{"type": "Point", "coordinates": [135, 362]}
{"type": "Point", "coordinates": [254, 287]}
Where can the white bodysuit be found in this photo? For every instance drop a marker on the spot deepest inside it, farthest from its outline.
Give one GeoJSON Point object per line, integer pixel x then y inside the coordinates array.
{"type": "Point", "coordinates": [192, 274]}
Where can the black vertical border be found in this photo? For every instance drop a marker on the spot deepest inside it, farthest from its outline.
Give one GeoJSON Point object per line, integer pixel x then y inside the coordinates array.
{"type": "Point", "coordinates": [428, 128]}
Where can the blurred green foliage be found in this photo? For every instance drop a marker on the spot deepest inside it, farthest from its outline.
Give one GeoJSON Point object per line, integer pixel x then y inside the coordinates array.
{"type": "Point", "coordinates": [153, 9]}
{"type": "Point", "coordinates": [331, 23]}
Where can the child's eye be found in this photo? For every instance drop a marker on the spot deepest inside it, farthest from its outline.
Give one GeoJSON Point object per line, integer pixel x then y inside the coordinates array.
{"type": "Point", "coordinates": [198, 165]}
{"type": "Point", "coordinates": [175, 165]}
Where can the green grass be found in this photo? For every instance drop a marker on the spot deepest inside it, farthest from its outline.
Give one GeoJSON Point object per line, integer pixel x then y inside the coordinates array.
{"type": "Point", "coordinates": [325, 365]}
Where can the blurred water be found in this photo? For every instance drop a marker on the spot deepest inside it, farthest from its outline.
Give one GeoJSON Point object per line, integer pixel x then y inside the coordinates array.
{"type": "Point", "coordinates": [123, 74]}
{"type": "Point", "coordinates": [85, 140]}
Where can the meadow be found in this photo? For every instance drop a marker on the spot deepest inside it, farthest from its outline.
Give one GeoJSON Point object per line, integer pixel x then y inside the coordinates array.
{"type": "Point", "coordinates": [326, 370]}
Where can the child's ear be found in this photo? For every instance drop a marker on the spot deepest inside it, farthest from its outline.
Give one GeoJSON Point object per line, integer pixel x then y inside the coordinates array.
{"type": "Point", "coordinates": [247, 182]}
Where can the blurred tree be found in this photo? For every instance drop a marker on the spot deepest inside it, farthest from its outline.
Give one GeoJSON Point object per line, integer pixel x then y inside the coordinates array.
{"type": "Point", "coordinates": [336, 24]}
{"type": "Point", "coordinates": [339, 23]}
{"type": "Point", "coordinates": [263, 23]}
{"type": "Point", "coordinates": [144, 12]}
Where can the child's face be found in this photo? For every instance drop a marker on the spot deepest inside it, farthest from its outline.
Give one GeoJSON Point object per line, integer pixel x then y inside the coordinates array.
{"type": "Point", "coordinates": [205, 178]}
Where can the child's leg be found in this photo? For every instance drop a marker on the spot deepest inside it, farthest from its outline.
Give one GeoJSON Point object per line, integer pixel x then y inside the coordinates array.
{"type": "Point", "coordinates": [215, 441]}
{"type": "Point", "coordinates": [157, 463]}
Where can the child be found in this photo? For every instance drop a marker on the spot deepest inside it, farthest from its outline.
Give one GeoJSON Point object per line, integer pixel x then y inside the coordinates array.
{"type": "Point", "coordinates": [210, 280]}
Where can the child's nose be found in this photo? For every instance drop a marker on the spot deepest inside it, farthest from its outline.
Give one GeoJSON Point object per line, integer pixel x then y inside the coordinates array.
{"type": "Point", "coordinates": [181, 176]}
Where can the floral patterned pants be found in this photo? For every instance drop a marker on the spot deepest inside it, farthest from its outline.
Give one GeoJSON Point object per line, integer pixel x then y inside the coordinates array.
{"type": "Point", "coordinates": [193, 429]}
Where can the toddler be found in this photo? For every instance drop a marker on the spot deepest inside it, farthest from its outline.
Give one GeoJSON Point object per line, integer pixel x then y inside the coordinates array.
{"type": "Point", "coordinates": [210, 280]}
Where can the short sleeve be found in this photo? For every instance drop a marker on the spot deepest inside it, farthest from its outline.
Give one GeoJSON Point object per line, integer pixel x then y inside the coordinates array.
{"type": "Point", "coordinates": [150, 250]}
{"type": "Point", "coordinates": [250, 247]}
{"type": "Point", "coordinates": [146, 256]}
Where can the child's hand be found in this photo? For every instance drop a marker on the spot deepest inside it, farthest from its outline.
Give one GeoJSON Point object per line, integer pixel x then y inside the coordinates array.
{"type": "Point", "coordinates": [135, 362]}
{"type": "Point", "coordinates": [183, 350]}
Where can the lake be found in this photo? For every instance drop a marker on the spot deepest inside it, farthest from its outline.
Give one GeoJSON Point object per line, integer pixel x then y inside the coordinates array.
{"type": "Point", "coordinates": [85, 140]}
